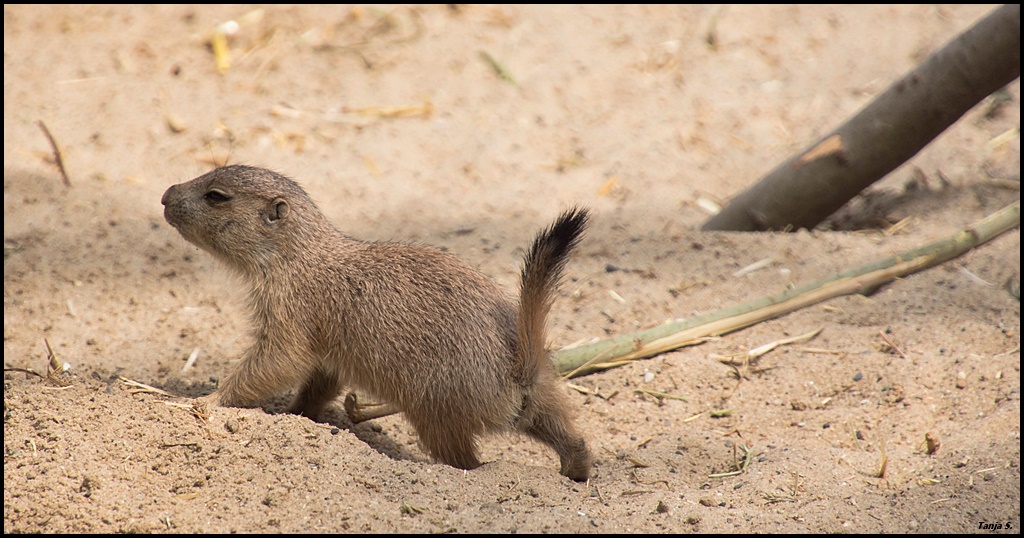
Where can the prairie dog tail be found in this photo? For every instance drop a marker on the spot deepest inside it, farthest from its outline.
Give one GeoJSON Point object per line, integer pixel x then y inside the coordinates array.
{"type": "Point", "coordinates": [542, 271]}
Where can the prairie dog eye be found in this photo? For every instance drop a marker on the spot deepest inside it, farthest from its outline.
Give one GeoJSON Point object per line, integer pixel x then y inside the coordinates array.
{"type": "Point", "coordinates": [215, 196]}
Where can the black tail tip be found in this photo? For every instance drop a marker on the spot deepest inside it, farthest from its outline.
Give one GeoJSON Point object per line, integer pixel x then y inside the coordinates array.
{"type": "Point", "coordinates": [554, 243]}
{"type": "Point", "coordinates": [570, 224]}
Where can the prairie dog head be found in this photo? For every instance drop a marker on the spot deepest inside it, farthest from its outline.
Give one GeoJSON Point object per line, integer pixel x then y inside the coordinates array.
{"type": "Point", "coordinates": [244, 216]}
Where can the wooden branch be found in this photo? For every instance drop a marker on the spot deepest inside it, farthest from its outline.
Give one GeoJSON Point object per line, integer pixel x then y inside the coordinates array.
{"type": "Point", "coordinates": [804, 190]}
{"type": "Point", "coordinates": [58, 158]}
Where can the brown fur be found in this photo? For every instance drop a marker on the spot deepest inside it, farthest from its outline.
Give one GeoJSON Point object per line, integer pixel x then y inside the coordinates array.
{"type": "Point", "coordinates": [410, 325]}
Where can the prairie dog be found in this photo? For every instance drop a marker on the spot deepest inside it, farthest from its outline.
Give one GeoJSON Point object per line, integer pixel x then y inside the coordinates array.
{"type": "Point", "coordinates": [409, 325]}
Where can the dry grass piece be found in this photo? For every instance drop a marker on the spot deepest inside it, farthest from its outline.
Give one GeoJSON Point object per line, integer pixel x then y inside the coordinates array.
{"type": "Point", "coordinates": [414, 111]}
{"type": "Point", "coordinates": [738, 466]}
{"type": "Point", "coordinates": [750, 357]}
{"type": "Point", "coordinates": [661, 395]}
{"type": "Point", "coordinates": [884, 464]}
{"type": "Point", "coordinates": [57, 157]}
{"type": "Point", "coordinates": [499, 69]}
{"type": "Point", "coordinates": [892, 345]}
{"type": "Point", "coordinates": [56, 373]}
{"type": "Point", "coordinates": [143, 388]}
{"type": "Point", "coordinates": [191, 360]}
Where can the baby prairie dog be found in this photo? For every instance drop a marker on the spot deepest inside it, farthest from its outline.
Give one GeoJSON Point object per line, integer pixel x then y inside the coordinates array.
{"type": "Point", "coordinates": [409, 325]}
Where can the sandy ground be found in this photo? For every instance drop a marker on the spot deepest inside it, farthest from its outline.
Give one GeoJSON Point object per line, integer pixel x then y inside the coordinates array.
{"type": "Point", "coordinates": [628, 110]}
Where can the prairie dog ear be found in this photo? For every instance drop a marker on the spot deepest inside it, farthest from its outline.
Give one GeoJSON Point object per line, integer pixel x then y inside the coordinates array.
{"type": "Point", "coordinates": [276, 210]}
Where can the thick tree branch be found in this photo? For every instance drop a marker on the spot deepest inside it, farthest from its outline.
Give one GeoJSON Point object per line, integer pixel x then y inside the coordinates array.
{"type": "Point", "coordinates": [810, 186]}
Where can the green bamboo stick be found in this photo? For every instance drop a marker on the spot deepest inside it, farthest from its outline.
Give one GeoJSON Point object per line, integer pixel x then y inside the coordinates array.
{"type": "Point", "coordinates": [619, 350]}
